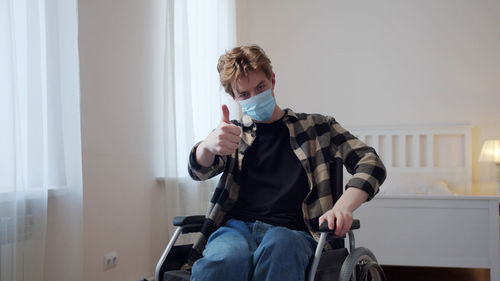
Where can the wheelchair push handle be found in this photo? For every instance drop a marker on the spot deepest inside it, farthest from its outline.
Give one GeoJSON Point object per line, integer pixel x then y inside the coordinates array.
{"type": "Point", "coordinates": [324, 226]}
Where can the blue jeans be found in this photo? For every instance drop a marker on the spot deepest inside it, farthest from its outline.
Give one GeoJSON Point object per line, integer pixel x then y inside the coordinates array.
{"type": "Point", "coordinates": [254, 251]}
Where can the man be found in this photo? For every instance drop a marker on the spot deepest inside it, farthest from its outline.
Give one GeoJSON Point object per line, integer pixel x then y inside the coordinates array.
{"type": "Point", "coordinates": [275, 187]}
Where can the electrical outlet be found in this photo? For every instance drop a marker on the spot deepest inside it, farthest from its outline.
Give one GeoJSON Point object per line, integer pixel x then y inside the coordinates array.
{"type": "Point", "coordinates": [110, 260]}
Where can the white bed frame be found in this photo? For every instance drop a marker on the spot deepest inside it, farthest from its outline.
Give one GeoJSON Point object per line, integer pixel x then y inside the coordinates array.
{"type": "Point", "coordinates": [430, 230]}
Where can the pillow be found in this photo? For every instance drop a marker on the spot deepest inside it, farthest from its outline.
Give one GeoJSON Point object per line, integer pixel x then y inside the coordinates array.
{"type": "Point", "coordinates": [415, 184]}
{"type": "Point", "coordinates": [439, 187]}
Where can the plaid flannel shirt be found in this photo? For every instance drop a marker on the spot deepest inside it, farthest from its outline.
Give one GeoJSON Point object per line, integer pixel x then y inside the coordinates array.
{"type": "Point", "coordinates": [316, 140]}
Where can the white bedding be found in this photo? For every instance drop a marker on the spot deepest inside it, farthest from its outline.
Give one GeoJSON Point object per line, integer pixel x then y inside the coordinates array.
{"type": "Point", "coordinates": [415, 184]}
{"type": "Point", "coordinates": [424, 214]}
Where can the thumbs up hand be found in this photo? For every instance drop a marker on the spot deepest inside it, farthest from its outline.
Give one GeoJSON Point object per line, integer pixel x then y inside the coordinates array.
{"type": "Point", "coordinates": [225, 139]}
{"type": "Point", "coordinates": [222, 141]}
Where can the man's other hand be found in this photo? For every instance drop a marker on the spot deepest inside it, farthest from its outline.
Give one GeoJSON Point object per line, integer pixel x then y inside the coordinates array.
{"type": "Point", "coordinates": [341, 213]}
{"type": "Point", "coordinates": [343, 218]}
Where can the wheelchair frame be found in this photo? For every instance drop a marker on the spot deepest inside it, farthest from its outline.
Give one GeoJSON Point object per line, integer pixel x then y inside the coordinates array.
{"type": "Point", "coordinates": [360, 261]}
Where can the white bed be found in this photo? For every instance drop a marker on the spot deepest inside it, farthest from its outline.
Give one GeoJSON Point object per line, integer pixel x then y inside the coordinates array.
{"type": "Point", "coordinates": [425, 214]}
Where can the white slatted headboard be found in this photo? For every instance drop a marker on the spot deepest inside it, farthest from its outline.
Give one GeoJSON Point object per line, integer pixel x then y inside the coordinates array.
{"type": "Point", "coordinates": [442, 152]}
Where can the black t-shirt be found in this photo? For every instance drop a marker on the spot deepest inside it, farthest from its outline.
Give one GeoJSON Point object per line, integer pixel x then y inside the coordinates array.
{"type": "Point", "coordinates": [273, 182]}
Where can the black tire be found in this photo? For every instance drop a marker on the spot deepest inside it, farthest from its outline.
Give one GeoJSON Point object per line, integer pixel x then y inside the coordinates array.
{"type": "Point", "coordinates": [372, 271]}
{"type": "Point", "coordinates": [361, 263]}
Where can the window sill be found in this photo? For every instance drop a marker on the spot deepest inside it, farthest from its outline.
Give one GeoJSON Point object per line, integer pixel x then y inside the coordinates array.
{"type": "Point", "coordinates": [8, 196]}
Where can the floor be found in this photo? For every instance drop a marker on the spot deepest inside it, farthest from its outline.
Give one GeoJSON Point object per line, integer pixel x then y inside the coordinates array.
{"type": "Point", "coordinates": [396, 273]}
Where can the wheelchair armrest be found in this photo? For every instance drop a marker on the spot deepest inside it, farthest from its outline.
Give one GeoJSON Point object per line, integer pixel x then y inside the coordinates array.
{"type": "Point", "coordinates": [187, 220]}
{"type": "Point", "coordinates": [324, 226]}
{"type": "Point", "coordinates": [191, 228]}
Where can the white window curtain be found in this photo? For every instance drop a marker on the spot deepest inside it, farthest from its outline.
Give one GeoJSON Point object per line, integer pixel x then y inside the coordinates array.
{"type": "Point", "coordinates": [197, 33]}
{"type": "Point", "coordinates": [40, 150]}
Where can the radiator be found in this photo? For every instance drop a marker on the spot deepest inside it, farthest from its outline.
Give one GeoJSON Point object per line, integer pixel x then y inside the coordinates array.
{"type": "Point", "coordinates": [8, 244]}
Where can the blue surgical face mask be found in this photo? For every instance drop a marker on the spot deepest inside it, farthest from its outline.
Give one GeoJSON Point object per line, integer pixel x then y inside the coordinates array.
{"type": "Point", "coordinates": [259, 107]}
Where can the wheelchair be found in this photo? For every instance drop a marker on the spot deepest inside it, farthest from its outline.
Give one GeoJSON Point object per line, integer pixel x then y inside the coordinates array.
{"type": "Point", "coordinates": [342, 264]}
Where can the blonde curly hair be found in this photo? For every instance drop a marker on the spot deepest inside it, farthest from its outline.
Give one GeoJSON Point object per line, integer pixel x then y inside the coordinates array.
{"type": "Point", "coordinates": [239, 62]}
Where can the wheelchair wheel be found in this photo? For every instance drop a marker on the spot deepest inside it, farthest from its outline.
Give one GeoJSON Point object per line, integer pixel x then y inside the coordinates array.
{"type": "Point", "coordinates": [361, 265]}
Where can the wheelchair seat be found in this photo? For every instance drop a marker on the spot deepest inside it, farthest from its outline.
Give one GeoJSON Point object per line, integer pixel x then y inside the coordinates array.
{"type": "Point", "coordinates": [356, 264]}
{"type": "Point", "coordinates": [329, 266]}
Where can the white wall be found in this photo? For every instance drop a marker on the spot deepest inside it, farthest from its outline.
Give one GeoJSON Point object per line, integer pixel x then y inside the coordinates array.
{"type": "Point", "coordinates": [121, 58]}
{"type": "Point", "coordinates": [386, 62]}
